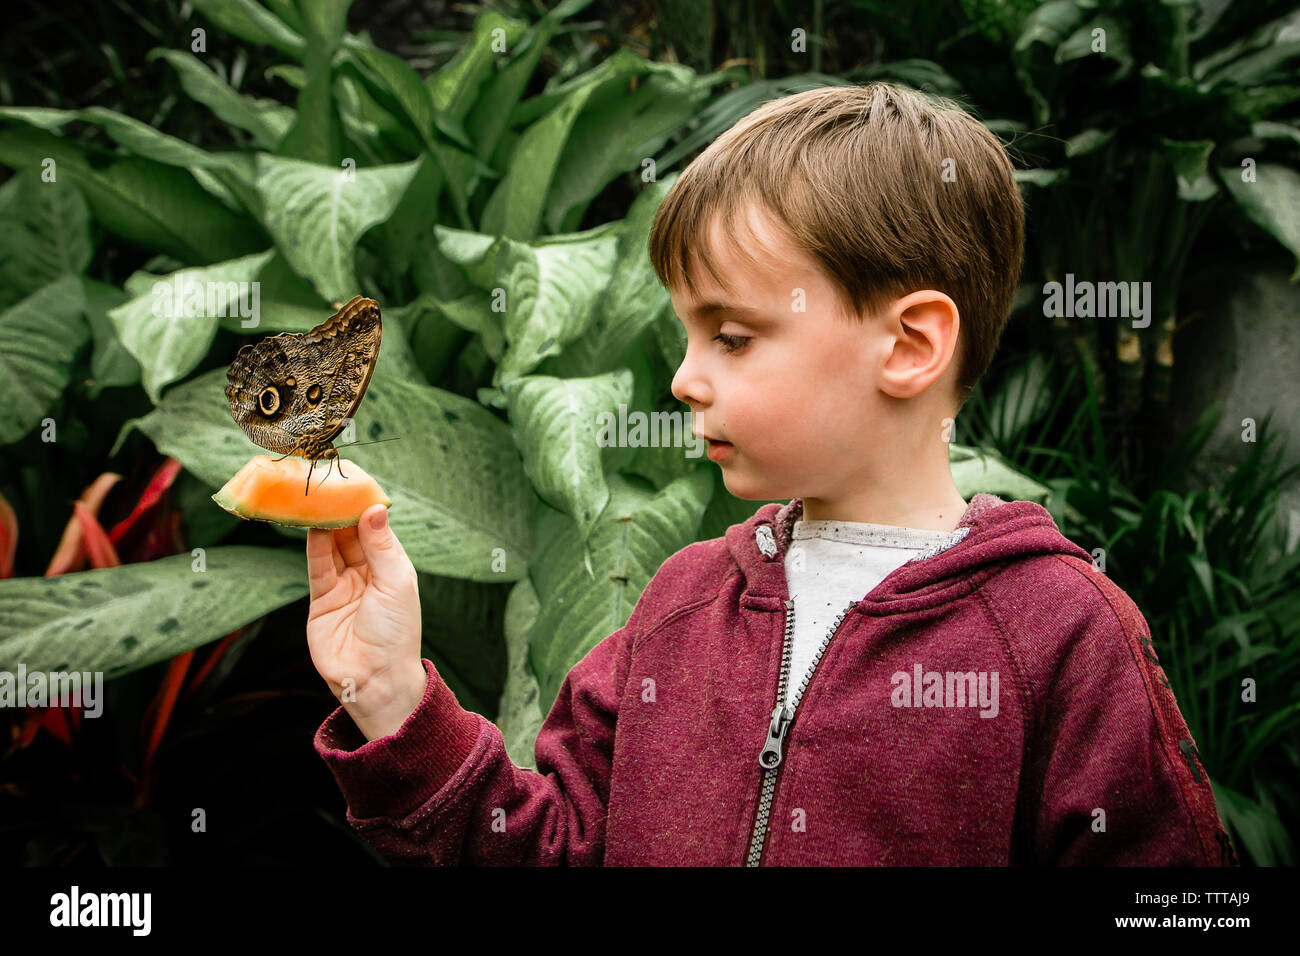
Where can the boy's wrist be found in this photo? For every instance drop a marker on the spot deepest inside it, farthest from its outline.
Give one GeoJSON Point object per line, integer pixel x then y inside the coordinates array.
{"type": "Point", "coordinates": [388, 704]}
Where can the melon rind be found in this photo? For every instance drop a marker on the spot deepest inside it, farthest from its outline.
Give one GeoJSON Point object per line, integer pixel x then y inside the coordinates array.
{"type": "Point", "coordinates": [333, 502]}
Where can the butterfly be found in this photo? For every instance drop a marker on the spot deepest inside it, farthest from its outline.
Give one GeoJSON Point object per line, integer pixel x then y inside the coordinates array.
{"type": "Point", "coordinates": [293, 393]}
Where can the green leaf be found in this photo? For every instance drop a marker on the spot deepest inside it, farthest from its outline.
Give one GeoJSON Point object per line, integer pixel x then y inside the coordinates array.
{"type": "Point", "coordinates": [397, 346]}
{"type": "Point", "coordinates": [393, 76]}
{"type": "Point", "coordinates": [324, 20]}
{"type": "Point", "coordinates": [725, 110]}
{"type": "Point", "coordinates": [1257, 68]}
{"type": "Point", "coordinates": [631, 300]}
{"type": "Point", "coordinates": [1272, 201]}
{"type": "Point", "coordinates": [288, 303]}
{"type": "Point", "coordinates": [473, 313]}
{"type": "Point", "coordinates": [552, 288]}
{"type": "Point", "coordinates": [170, 328]}
{"type": "Point", "coordinates": [316, 214]}
{"type": "Point", "coordinates": [1079, 46]}
{"type": "Point", "coordinates": [997, 20]}
{"type": "Point", "coordinates": [1189, 159]}
{"type": "Point", "coordinates": [461, 631]}
{"type": "Point", "coordinates": [1266, 129]}
{"type": "Point", "coordinates": [1049, 24]}
{"type": "Point", "coordinates": [435, 340]}
{"type": "Point", "coordinates": [636, 534]}
{"type": "Point", "coordinates": [293, 75]}
{"type": "Point", "coordinates": [975, 470]}
{"type": "Point", "coordinates": [1257, 828]}
{"type": "Point", "coordinates": [515, 208]}
{"type": "Point", "coordinates": [38, 338]}
{"type": "Point", "coordinates": [1090, 140]}
{"type": "Point", "coordinates": [469, 82]}
{"type": "Point", "coordinates": [44, 234]}
{"type": "Point", "coordinates": [266, 121]}
{"type": "Point", "coordinates": [469, 79]}
{"type": "Point", "coordinates": [1024, 397]}
{"type": "Point", "coordinates": [157, 206]}
{"type": "Point", "coordinates": [228, 176]}
{"type": "Point", "coordinates": [118, 620]}
{"type": "Point", "coordinates": [454, 88]}
{"type": "Point", "coordinates": [519, 715]}
{"type": "Point", "coordinates": [112, 364]}
{"type": "Point", "coordinates": [317, 131]}
{"type": "Point", "coordinates": [283, 301]}
{"type": "Point", "coordinates": [619, 130]}
{"type": "Point", "coordinates": [474, 252]}
{"type": "Point", "coordinates": [1039, 177]}
{"type": "Point", "coordinates": [461, 501]}
{"type": "Point", "coordinates": [249, 20]}
{"type": "Point", "coordinates": [558, 427]}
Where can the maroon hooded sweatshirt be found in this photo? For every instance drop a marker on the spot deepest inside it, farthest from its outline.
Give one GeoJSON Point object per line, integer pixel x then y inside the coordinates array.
{"type": "Point", "coordinates": [666, 746]}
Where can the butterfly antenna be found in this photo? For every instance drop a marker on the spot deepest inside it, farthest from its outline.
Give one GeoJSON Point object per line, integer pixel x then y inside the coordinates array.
{"type": "Point", "coordinates": [375, 442]}
{"type": "Point", "coordinates": [351, 443]}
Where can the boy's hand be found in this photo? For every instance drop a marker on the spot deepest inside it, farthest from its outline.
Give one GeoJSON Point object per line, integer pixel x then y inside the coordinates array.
{"type": "Point", "coordinates": [363, 628]}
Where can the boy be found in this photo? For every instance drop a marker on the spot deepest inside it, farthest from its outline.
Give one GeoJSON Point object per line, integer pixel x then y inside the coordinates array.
{"type": "Point", "coordinates": [877, 672]}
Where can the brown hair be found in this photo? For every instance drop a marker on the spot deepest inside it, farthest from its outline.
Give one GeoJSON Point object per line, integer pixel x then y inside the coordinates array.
{"type": "Point", "coordinates": [855, 174]}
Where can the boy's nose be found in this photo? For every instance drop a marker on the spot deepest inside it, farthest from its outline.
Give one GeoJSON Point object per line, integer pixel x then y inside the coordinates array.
{"type": "Point", "coordinates": [688, 385]}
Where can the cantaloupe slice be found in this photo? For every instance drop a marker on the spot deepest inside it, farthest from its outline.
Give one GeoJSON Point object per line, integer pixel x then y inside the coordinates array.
{"type": "Point", "coordinates": [270, 490]}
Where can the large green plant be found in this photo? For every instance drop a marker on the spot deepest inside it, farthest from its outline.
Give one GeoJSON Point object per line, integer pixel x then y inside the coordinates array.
{"type": "Point", "coordinates": [458, 203]}
{"type": "Point", "coordinates": [1139, 120]}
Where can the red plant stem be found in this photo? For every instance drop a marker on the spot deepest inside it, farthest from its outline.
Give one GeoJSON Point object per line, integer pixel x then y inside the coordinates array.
{"type": "Point", "coordinates": [99, 548]}
{"type": "Point", "coordinates": [31, 724]}
{"type": "Point", "coordinates": [162, 480]}
{"type": "Point", "coordinates": [217, 652]}
{"type": "Point", "coordinates": [70, 555]}
{"type": "Point", "coordinates": [8, 538]}
{"type": "Point", "coordinates": [166, 700]}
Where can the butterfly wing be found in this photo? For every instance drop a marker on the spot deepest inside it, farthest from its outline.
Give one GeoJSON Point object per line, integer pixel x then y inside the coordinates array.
{"type": "Point", "coordinates": [293, 393]}
{"type": "Point", "coordinates": [345, 349]}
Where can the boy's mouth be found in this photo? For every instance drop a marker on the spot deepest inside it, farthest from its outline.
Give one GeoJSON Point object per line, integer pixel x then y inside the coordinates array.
{"type": "Point", "coordinates": [719, 449]}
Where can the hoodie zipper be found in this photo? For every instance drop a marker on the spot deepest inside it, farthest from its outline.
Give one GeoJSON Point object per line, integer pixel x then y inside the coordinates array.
{"type": "Point", "coordinates": [782, 716]}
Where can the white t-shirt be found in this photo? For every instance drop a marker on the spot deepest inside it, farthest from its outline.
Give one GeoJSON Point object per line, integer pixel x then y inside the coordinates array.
{"type": "Point", "coordinates": [831, 564]}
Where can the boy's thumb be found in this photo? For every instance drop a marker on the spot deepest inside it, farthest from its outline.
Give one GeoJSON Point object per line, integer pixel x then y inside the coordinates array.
{"type": "Point", "coordinates": [381, 549]}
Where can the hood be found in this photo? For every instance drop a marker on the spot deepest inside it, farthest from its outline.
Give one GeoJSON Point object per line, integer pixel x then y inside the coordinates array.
{"type": "Point", "coordinates": [997, 533]}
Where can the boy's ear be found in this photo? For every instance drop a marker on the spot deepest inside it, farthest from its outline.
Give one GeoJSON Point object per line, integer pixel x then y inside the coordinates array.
{"type": "Point", "coordinates": [923, 329]}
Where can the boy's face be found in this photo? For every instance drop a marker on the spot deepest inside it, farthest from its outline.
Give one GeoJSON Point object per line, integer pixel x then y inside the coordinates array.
{"type": "Point", "coordinates": [798, 399]}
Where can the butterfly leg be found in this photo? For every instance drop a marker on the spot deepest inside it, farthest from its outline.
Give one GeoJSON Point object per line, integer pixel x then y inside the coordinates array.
{"type": "Point", "coordinates": [309, 471]}
{"type": "Point", "coordinates": [340, 461]}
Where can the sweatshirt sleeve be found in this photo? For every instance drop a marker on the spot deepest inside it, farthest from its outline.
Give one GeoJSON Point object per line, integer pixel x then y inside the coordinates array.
{"type": "Point", "coordinates": [443, 791]}
{"type": "Point", "coordinates": [1114, 776]}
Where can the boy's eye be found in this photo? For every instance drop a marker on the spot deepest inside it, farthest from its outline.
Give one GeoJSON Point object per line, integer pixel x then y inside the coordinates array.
{"type": "Point", "coordinates": [731, 343]}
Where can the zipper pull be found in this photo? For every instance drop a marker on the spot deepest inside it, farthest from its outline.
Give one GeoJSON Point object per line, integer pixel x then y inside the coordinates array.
{"type": "Point", "coordinates": [771, 754]}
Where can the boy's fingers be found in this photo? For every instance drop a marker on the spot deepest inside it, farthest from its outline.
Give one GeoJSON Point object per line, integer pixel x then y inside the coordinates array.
{"type": "Point", "coordinates": [345, 539]}
{"type": "Point", "coordinates": [389, 565]}
{"type": "Point", "coordinates": [323, 562]}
